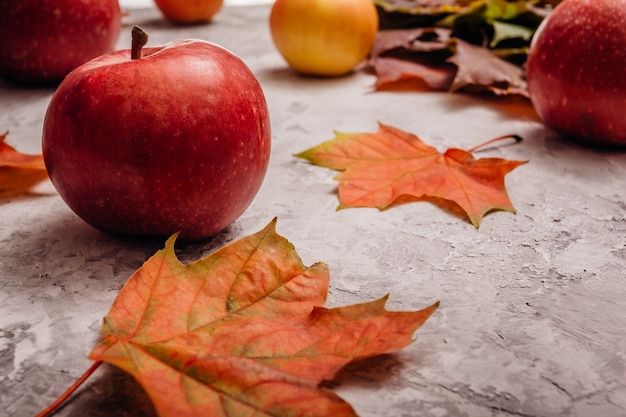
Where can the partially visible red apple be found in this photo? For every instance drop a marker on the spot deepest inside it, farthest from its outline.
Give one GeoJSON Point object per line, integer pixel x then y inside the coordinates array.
{"type": "Point", "coordinates": [189, 11]}
{"type": "Point", "coordinates": [577, 70]}
{"type": "Point", "coordinates": [166, 139]}
{"type": "Point", "coordinates": [41, 41]}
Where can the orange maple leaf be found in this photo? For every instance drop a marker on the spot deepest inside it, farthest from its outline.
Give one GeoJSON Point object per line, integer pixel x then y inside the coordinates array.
{"type": "Point", "coordinates": [379, 168]}
{"type": "Point", "coordinates": [242, 332]}
{"type": "Point", "coordinates": [18, 171]}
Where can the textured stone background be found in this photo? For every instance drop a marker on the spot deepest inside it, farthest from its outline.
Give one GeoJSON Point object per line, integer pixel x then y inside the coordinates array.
{"type": "Point", "coordinates": [533, 304]}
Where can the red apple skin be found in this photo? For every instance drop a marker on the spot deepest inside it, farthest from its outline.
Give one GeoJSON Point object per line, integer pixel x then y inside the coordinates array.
{"type": "Point", "coordinates": [43, 40]}
{"type": "Point", "coordinates": [176, 141]}
{"type": "Point", "coordinates": [576, 70]}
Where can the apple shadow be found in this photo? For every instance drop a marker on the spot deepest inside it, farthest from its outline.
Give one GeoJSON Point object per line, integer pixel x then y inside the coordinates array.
{"type": "Point", "coordinates": [161, 23]}
{"type": "Point", "coordinates": [512, 106]}
{"type": "Point", "coordinates": [515, 107]}
{"type": "Point", "coordinates": [60, 239]}
{"type": "Point", "coordinates": [41, 87]}
{"type": "Point", "coordinates": [154, 19]}
{"type": "Point", "coordinates": [284, 73]}
{"type": "Point", "coordinates": [278, 73]}
{"type": "Point", "coordinates": [556, 140]}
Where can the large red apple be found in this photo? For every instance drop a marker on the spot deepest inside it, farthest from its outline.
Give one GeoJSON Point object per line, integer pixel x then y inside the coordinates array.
{"type": "Point", "coordinates": [41, 41]}
{"type": "Point", "coordinates": [175, 140]}
{"type": "Point", "coordinates": [577, 70]}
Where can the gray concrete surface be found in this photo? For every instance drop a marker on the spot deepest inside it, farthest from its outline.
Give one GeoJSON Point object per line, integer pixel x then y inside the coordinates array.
{"type": "Point", "coordinates": [533, 304]}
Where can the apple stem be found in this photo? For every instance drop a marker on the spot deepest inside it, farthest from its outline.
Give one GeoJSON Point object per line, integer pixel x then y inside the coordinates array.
{"type": "Point", "coordinates": [49, 409]}
{"type": "Point", "coordinates": [517, 139]}
{"type": "Point", "coordinates": [140, 38]}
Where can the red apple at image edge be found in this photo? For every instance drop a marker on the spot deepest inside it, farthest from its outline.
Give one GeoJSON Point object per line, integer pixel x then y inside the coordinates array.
{"type": "Point", "coordinates": [177, 140]}
{"type": "Point", "coordinates": [576, 70]}
{"type": "Point", "coordinates": [41, 41]}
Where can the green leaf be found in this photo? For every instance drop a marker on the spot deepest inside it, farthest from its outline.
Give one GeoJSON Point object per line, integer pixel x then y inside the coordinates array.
{"type": "Point", "coordinates": [504, 31]}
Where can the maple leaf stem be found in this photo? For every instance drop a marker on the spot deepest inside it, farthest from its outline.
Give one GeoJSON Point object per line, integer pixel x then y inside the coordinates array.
{"type": "Point", "coordinates": [517, 139]}
{"type": "Point", "coordinates": [49, 409]}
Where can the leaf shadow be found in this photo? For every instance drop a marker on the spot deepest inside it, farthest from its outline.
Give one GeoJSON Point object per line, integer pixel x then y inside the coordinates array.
{"type": "Point", "coordinates": [447, 206]}
{"type": "Point", "coordinates": [367, 372]}
{"type": "Point", "coordinates": [112, 393]}
{"type": "Point", "coordinates": [405, 85]}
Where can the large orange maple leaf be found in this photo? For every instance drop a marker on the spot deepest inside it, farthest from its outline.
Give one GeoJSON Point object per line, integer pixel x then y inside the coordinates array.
{"type": "Point", "coordinates": [18, 171]}
{"type": "Point", "coordinates": [242, 332]}
{"type": "Point", "coordinates": [379, 168]}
